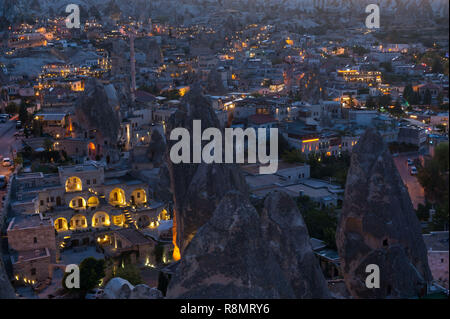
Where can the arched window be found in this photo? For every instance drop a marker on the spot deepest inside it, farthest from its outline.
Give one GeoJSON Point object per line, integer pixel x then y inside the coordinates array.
{"type": "Point", "coordinates": [117, 197]}
{"type": "Point", "coordinates": [119, 220]}
{"type": "Point", "coordinates": [138, 196]}
{"type": "Point", "coordinates": [74, 184]}
{"type": "Point", "coordinates": [78, 203]}
{"type": "Point", "coordinates": [61, 224]}
{"type": "Point", "coordinates": [100, 219]}
{"type": "Point", "coordinates": [92, 201]}
{"type": "Point", "coordinates": [78, 222]}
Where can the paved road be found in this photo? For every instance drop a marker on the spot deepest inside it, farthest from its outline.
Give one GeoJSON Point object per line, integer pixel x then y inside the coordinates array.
{"type": "Point", "coordinates": [7, 142]}
{"type": "Point", "coordinates": [416, 191]}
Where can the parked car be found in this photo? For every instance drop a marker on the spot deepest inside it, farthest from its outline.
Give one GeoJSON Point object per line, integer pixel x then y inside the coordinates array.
{"type": "Point", "coordinates": [6, 162]}
{"type": "Point", "coordinates": [2, 181]}
{"type": "Point", "coordinates": [409, 162]}
{"type": "Point", "coordinates": [18, 124]}
{"type": "Point", "coordinates": [413, 170]}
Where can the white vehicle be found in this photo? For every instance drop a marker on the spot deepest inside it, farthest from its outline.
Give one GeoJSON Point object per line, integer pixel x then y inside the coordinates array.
{"type": "Point", "coordinates": [413, 170]}
{"type": "Point", "coordinates": [6, 162]}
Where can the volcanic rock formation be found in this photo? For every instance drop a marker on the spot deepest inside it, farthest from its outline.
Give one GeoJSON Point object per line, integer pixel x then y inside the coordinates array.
{"type": "Point", "coordinates": [239, 254]}
{"type": "Point", "coordinates": [198, 188]}
{"type": "Point", "coordinates": [98, 108]}
{"type": "Point", "coordinates": [6, 290]}
{"type": "Point", "coordinates": [379, 226]}
{"type": "Point", "coordinates": [286, 234]}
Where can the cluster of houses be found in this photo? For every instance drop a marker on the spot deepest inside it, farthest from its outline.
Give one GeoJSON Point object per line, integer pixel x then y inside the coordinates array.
{"type": "Point", "coordinates": [315, 91]}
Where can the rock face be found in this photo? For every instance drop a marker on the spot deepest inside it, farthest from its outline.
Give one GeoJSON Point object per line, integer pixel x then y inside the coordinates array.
{"type": "Point", "coordinates": [379, 226]}
{"type": "Point", "coordinates": [198, 188]}
{"type": "Point", "coordinates": [156, 148]}
{"type": "Point", "coordinates": [6, 290]}
{"type": "Point", "coordinates": [98, 108]}
{"type": "Point", "coordinates": [152, 50]}
{"type": "Point", "coordinates": [119, 288]}
{"type": "Point", "coordinates": [228, 258]}
{"type": "Point", "coordinates": [239, 254]}
{"type": "Point", "coordinates": [215, 83]}
{"type": "Point", "coordinates": [286, 234]}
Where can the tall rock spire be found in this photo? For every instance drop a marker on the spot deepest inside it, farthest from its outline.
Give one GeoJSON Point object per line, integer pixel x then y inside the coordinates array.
{"type": "Point", "coordinates": [378, 226]}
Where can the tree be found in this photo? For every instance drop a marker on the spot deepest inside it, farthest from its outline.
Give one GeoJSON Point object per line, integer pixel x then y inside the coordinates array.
{"type": "Point", "coordinates": [23, 113]}
{"type": "Point", "coordinates": [385, 100]}
{"type": "Point", "coordinates": [436, 66]}
{"type": "Point", "coordinates": [12, 108]}
{"type": "Point", "coordinates": [442, 157]}
{"type": "Point", "coordinates": [294, 156]}
{"type": "Point", "coordinates": [397, 110]}
{"type": "Point", "coordinates": [433, 176]}
{"type": "Point", "coordinates": [321, 222]}
{"type": "Point", "coordinates": [131, 273]}
{"type": "Point", "coordinates": [91, 273]}
{"type": "Point", "coordinates": [408, 93]}
{"type": "Point", "coordinates": [440, 217]}
{"type": "Point", "coordinates": [423, 211]}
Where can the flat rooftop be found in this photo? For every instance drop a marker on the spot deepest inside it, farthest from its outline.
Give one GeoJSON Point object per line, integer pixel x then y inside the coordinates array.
{"type": "Point", "coordinates": [28, 221]}
{"type": "Point", "coordinates": [308, 191]}
{"type": "Point", "coordinates": [133, 235]}
{"type": "Point", "coordinates": [253, 169]}
{"type": "Point", "coordinates": [78, 168]}
{"type": "Point", "coordinates": [437, 241]}
{"type": "Point", "coordinates": [30, 254]}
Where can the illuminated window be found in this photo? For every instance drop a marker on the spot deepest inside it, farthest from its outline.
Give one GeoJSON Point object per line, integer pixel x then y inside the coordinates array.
{"type": "Point", "coordinates": [73, 184]}
{"type": "Point", "coordinates": [117, 197]}
{"type": "Point", "coordinates": [78, 221]}
{"type": "Point", "coordinates": [100, 219]}
{"type": "Point", "coordinates": [78, 203]}
{"type": "Point", "coordinates": [61, 224]}
{"type": "Point", "coordinates": [93, 201]}
{"type": "Point", "coordinates": [138, 196]}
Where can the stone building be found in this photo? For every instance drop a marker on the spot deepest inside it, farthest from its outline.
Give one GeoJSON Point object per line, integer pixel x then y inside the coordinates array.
{"type": "Point", "coordinates": [437, 247]}
{"type": "Point", "coordinates": [131, 243]}
{"type": "Point", "coordinates": [86, 202]}
{"type": "Point", "coordinates": [32, 243]}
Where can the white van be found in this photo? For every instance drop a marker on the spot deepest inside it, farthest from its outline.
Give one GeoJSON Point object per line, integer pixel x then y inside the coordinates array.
{"type": "Point", "coordinates": [6, 162]}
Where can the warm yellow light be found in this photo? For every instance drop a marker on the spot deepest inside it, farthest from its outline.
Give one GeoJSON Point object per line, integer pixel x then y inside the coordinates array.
{"type": "Point", "coordinates": [311, 140]}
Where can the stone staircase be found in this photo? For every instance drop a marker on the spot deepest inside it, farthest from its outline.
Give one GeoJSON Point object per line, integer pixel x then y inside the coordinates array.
{"type": "Point", "coordinates": [128, 219]}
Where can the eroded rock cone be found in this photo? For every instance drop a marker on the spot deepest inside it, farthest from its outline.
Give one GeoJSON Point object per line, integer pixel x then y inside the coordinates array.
{"type": "Point", "coordinates": [156, 148]}
{"type": "Point", "coordinates": [98, 108]}
{"type": "Point", "coordinates": [378, 226]}
{"type": "Point", "coordinates": [228, 258]}
{"type": "Point", "coordinates": [6, 290]}
{"type": "Point", "coordinates": [198, 188]}
{"type": "Point", "coordinates": [241, 254]}
{"type": "Point", "coordinates": [286, 234]}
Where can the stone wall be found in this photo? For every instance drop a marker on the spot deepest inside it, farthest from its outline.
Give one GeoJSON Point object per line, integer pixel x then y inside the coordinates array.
{"type": "Point", "coordinates": [23, 239]}
{"type": "Point", "coordinates": [23, 268]}
{"type": "Point", "coordinates": [438, 261]}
